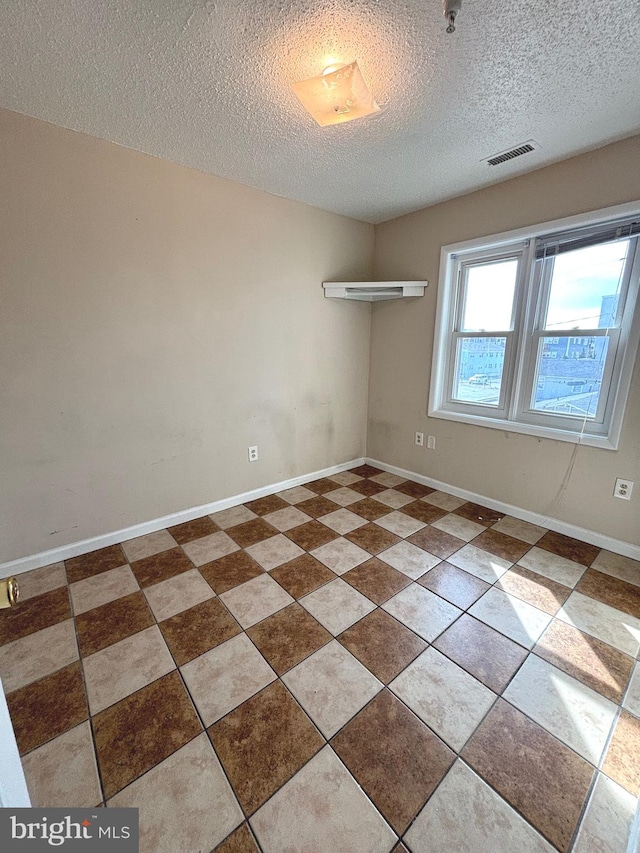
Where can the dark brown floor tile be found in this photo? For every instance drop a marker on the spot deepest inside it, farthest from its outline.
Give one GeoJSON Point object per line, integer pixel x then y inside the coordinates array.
{"type": "Point", "coordinates": [138, 732]}
{"type": "Point", "coordinates": [487, 655]}
{"type": "Point", "coordinates": [622, 760]}
{"type": "Point", "coordinates": [367, 488]}
{"type": "Point", "coordinates": [193, 632]}
{"type": "Point", "coordinates": [195, 529]}
{"type": "Point", "coordinates": [230, 571]}
{"type": "Point", "coordinates": [612, 591]}
{"type": "Point", "coordinates": [382, 644]}
{"type": "Point", "coordinates": [372, 538]}
{"type": "Point", "coordinates": [48, 707]}
{"type": "Point", "coordinates": [480, 514]}
{"type": "Point", "coordinates": [365, 471]}
{"type": "Point", "coordinates": [377, 580]}
{"type": "Point", "coordinates": [103, 626]}
{"type": "Point", "coordinates": [565, 546]}
{"type": "Point", "coordinates": [454, 585]}
{"type": "Point", "coordinates": [315, 507]}
{"type": "Point", "coordinates": [251, 532]}
{"type": "Point", "coordinates": [322, 486]}
{"type": "Point", "coordinates": [87, 565]}
{"type": "Point", "coordinates": [537, 774]}
{"type": "Point", "coordinates": [591, 661]}
{"type": "Point", "coordinates": [370, 509]}
{"type": "Point", "coordinates": [34, 614]}
{"type": "Point", "coordinates": [406, 765]}
{"type": "Point", "coordinates": [263, 506]}
{"type": "Point", "coordinates": [535, 589]}
{"type": "Point", "coordinates": [160, 567]}
{"type": "Point", "coordinates": [240, 841]}
{"type": "Point", "coordinates": [311, 535]}
{"type": "Point", "coordinates": [436, 542]}
{"type": "Point", "coordinates": [288, 637]}
{"type": "Point", "coordinates": [414, 490]}
{"type": "Point", "coordinates": [302, 575]}
{"type": "Point", "coordinates": [427, 513]}
{"type": "Point", "coordinates": [501, 545]}
{"type": "Point", "coordinates": [263, 743]}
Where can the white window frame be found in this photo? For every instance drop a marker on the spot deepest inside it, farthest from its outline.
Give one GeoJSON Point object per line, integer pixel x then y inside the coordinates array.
{"type": "Point", "coordinates": [513, 412]}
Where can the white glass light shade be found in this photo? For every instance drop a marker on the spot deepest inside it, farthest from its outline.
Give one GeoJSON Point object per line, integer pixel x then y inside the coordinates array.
{"type": "Point", "coordinates": [336, 96]}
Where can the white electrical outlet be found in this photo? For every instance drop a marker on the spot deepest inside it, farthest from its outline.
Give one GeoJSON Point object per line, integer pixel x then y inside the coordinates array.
{"type": "Point", "coordinates": [623, 489]}
{"type": "Point", "coordinates": [431, 442]}
{"type": "Point", "coordinates": [419, 439]}
{"type": "Point", "coordinates": [253, 453]}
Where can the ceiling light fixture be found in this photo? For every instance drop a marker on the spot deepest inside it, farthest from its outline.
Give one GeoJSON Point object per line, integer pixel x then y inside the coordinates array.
{"type": "Point", "coordinates": [339, 94]}
{"type": "Point", "coordinates": [451, 9]}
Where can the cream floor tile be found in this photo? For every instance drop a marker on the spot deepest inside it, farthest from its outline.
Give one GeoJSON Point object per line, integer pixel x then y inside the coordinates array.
{"type": "Point", "coordinates": [124, 667]}
{"type": "Point", "coordinates": [337, 605]}
{"type": "Point", "coordinates": [332, 686]}
{"type": "Point", "coordinates": [400, 524]}
{"type": "Point", "coordinates": [322, 810]}
{"type": "Point", "coordinates": [618, 566]}
{"type": "Point", "coordinates": [232, 516]}
{"type": "Point", "coordinates": [41, 580]}
{"type": "Point", "coordinates": [297, 494]}
{"type": "Point", "coordinates": [607, 821]}
{"type": "Point", "coordinates": [30, 658]}
{"type": "Point", "coordinates": [465, 815]}
{"type": "Point", "coordinates": [286, 519]}
{"type": "Point", "coordinates": [273, 552]}
{"type": "Point", "coordinates": [101, 589]}
{"type": "Point", "coordinates": [387, 479]}
{"type": "Point", "coordinates": [147, 546]}
{"type": "Point", "coordinates": [201, 551]}
{"type": "Point", "coordinates": [444, 696]}
{"type": "Point", "coordinates": [421, 610]}
{"type": "Point", "coordinates": [223, 678]}
{"type": "Point", "coordinates": [341, 555]}
{"type": "Point", "coordinates": [409, 559]}
{"type": "Point", "coordinates": [480, 563]}
{"type": "Point", "coordinates": [344, 496]}
{"type": "Point", "coordinates": [632, 699]}
{"type": "Point", "coordinates": [606, 623]}
{"type": "Point", "coordinates": [552, 566]}
{"type": "Point", "coordinates": [178, 593]}
{"type": "Point", "coordinates": [458, 526]}
{"type": "Point", "coordinates": [208, 811]}
{"type": "Point", "coordinates": [63, 772]}
{"type": "Point", "coordinates": [254, 600]}
{"type": "Point", "coordinates": [567, 708]}
{"type": "Point", "coordinates": [392, 498]}
{"type": "Point", "coordinates": [523, 530]}
{"type": "Point", "coordinates": [343, 521]}
{"type": "Point", "coordinates": [443, 500]}
{"type": "Point", "coordinates": [512, 617]}
{"type": "Point", "coordinates": [345, 478]}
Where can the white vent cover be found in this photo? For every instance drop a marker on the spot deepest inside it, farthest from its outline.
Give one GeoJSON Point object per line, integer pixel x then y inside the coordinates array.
{"type": "Point", "coordinates": [373, 291]}
{"type": "Point", "coordinates": [511, 153]}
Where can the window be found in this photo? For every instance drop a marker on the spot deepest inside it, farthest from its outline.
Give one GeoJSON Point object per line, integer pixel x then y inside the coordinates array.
{"type": "Point", "coordinates": [537, 332]}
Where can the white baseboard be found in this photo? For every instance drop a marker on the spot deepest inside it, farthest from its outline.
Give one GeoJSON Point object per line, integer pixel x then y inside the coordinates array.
{"type": "Point", "coordinates": [65, 552]}
{"type": "Point", "coordinates": [599, 539]}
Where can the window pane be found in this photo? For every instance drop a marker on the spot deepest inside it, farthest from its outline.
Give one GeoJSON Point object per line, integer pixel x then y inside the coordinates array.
{"type": "Point", "coordinates": [569, 375]}
{"type": "Point", "coordinates": [585, 287]}
{"type": "Point", "coordinates": [479, 366]}
{"type": "Point", "coordinates": [489, 293]}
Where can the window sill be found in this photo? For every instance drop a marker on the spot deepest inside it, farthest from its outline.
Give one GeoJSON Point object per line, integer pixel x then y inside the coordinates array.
{"type": "Point", "coordinates": [602, 441]}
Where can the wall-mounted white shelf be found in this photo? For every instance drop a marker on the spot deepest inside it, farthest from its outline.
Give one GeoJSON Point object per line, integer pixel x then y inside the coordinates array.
{"type": "Point", "coordinates": [373, 291]}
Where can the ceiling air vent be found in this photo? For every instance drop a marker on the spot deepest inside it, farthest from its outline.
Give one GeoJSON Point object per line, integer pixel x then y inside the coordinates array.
{"type": "Point", "coordinates": [518, 151]}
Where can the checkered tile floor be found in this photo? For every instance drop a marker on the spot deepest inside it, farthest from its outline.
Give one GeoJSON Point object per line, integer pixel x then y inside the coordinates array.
{"type": "Point", "coordinates": [358, 664]}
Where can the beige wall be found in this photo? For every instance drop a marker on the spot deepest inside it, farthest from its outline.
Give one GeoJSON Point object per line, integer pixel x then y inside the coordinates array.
{"type": "Point", "coordinates": [521, 470]}
{"type": "Point", "coordinates": [154, 322]}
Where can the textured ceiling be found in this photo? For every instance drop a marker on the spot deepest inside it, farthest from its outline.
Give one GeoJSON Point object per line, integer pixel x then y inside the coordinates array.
{"type": "Point", "coordinates": [206, 83]}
